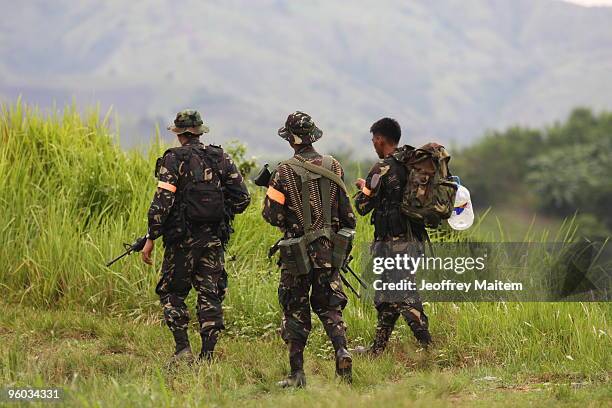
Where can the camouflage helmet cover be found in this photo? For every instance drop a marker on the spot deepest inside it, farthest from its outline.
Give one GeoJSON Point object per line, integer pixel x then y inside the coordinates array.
{"type": "Point", "coordinates": [188, 120]}
{"type": "Point", "coordinates": [300, 129]}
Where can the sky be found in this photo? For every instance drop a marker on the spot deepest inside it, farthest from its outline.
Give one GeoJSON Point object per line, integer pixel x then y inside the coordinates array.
{"type": "Point", "coordinates": [591, 3]}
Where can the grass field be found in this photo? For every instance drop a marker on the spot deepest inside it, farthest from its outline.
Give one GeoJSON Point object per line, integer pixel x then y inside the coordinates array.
{"type": "Point", "coordinates": [70, 197]}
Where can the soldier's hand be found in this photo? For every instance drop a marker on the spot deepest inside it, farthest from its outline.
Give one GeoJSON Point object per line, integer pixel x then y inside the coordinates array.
{"type": "Point", "coordinates": [360, 183]}
{"type": "Point", "coordinates": [147, 251]}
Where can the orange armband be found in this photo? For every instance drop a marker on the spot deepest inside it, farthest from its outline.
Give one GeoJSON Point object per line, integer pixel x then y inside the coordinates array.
{"type": "Point", "coordinates": [366, 191]}
{"type": "Point", "coordinates": [275, 195]}
{"type": "Point", "coordinates": [167, 186]}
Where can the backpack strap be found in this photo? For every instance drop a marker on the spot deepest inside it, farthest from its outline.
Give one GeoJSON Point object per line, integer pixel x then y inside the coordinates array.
{"type": "Point", "coordinates": [318, 170]}
{"type": "Point", "coordinates": [198, 170]}
{"type": "Point", "coordinates": [211, 156]}
{"type": "Point", "coordinates": [216, 151]}
{"type": "Point", "coordinates": [183, 154]}
{"type": "Point", "coordinates": [325, 185]}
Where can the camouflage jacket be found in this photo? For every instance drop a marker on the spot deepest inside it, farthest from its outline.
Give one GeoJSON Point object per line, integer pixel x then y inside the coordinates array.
{"type": "Point", "coordinates": [283, 205]}
{"type": "Point", "coordinates": [171, 174]}
{"type": "Point", "coordinates": [382, 194]}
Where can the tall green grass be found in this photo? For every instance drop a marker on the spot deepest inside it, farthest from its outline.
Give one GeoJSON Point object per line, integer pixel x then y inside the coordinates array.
{"type": "Point", "coordinates": [70, 196]}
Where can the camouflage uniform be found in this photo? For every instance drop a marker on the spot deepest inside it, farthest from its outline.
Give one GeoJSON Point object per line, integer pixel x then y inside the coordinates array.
{"type": "Point", "coordinates": [393, 234]}
{"type": "Point", "coordinates": [197, 257]}
{"type": "Point", "coordinates": [321, 289]}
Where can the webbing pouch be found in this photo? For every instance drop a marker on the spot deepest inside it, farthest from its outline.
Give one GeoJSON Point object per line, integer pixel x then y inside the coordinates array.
{"type": "Point", "coordinates": [294, 256]}
{"type": "Point", "coordinates": [343, 243]}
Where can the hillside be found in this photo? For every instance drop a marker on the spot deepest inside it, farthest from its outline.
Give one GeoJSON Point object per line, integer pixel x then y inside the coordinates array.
{"type": "Point", "coordinates": [446, 69]}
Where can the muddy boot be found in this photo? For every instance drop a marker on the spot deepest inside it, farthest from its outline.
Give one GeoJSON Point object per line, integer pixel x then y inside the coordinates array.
{"type": "Point", "coordinates": [184, 356]}
{"type": "Point", "coordinates": [182, 351]}
{"type": "Point", "coordinates": [344, 361]}
{"type": "Point", "coordinates": [344, 365]}
{"type": "Point", "coordinates": [378, 346]}
{"type": "Point", "coordinates": [423, 337]}
{"type": "Point", "coordinates": [209, 341]}
{"type": "Point", "coordinates": [418, 322]}
{"type": "Point", "coordinates": [297, 378]}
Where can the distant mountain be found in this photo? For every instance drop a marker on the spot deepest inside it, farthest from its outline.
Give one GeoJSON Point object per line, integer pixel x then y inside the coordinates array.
{"type": "Point", "coordinates": [446, 69]}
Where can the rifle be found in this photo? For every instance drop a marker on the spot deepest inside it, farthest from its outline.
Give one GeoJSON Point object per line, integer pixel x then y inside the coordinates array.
{"type": "Point", "coordinates": [135, 247]}
{"type": "Point", "coordinates": [347, 269]}
{"type": "Point", "coordinates": [348, 285]}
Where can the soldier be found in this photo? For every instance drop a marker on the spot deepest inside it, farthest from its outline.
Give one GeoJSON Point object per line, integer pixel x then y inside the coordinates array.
{"type": "Point", "coordinates": [394, 233]}
{"type": "Point", "coordinates": [198, 193]}
{"type": "Point", "coordinates": [309, 274]}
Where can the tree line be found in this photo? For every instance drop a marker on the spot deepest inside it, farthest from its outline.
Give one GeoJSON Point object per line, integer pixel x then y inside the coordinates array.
{"type": "Point", "coordinates": [563, 169]}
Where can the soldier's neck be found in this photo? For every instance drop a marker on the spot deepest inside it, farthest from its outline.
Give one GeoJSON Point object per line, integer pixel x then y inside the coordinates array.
{"type": "Point", "coordinates": [189, 141]}
{"type": "Point", "coordinates": [306, 149]}
{"type": "Point", "coordinates": [389, 150]}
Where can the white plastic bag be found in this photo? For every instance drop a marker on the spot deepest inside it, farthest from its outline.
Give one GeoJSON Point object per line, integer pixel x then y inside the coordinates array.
{"type": "Point", "coordinates": [462, 217]}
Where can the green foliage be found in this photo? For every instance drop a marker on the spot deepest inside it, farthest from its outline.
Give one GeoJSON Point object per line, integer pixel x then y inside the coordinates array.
{"type": "Point", "coordinates": [574, 177]}
{"type": "Point", "coordinates": [238, 153]}
{"type": "Point", "coordinates": [562, 170]}
{"type": "Point", "coordinates": [492, 168]}
{"type": "Point", "coordinates": [70, 196]}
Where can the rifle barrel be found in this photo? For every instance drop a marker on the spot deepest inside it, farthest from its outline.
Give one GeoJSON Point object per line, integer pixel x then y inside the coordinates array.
{"type": "Point", "coordinates": [350, 286]}
{"type": "Point", "coordinates": [119, 257]}
{"type": "Point", "coordinates": [361, 282]}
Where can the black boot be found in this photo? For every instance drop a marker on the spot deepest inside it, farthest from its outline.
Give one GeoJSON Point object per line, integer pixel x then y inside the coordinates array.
{"type": "Point", "coordinates": [344, 360]}
{"type": "Point", "coordinates": [181, 339]}
{"type": "Point", "coordinates": [379, 344]}
{"type": "Point", "coordinates": [344, 365]}
{"type": "Point", "coordinates": [209, 341]}
{"type": "Point", "coordinates": [423, 337]}
{"type": "Point", "coordinates": [339, 342]}
{"type": "Point", "coordinates": [296, 378]}
{"type": "Point", "coordinates": [182, 350]}
{"type": "Point", "coordinates": [418, 322]}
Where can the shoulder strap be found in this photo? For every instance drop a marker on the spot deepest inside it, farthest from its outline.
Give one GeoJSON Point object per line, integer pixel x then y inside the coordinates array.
{"type": "Point", "coordinates": [328, 174]}
{"type": "Point", "coordinates": [216, 151]}
{"type": "Point", "coordinates": [210, 156]}
{"type": "Point", "coordinates": [183, 154]}
{"type": "Point", "coordinates": [325, 185]}
{"type": "Point", "coordinates": [198, 171]}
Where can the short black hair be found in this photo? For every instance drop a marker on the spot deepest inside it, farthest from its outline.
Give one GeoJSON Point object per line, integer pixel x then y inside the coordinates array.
{"type": "Point", "coordinates": [388, 128]}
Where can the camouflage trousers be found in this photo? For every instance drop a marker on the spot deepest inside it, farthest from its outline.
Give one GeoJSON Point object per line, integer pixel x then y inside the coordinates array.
{"type": "Point", "coordinates": [389, 312]}
{"type": "Point", "coordinates": [322, 290]}
{"type": "Point", "coordinates": [390, 305]}
{"type": "Point", "coordinates": [203, 269]}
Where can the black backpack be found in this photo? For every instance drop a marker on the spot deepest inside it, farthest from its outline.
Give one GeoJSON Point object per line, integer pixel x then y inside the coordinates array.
{"type": "Point", "coordinates": [199, 196]}
{"type": "Point", "coordinates": [202, 194]}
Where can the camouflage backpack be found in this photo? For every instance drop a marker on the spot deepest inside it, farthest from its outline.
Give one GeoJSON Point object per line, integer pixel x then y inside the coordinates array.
{"type": "Point", "coordinates": [429, 194]}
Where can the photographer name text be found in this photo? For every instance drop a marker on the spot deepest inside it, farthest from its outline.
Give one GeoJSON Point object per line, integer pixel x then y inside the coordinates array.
{"type": "Point", "coordinates": [448, 285]}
